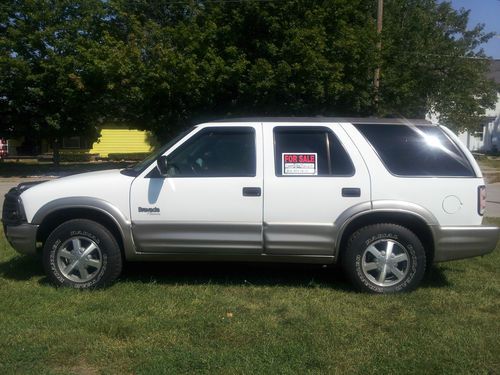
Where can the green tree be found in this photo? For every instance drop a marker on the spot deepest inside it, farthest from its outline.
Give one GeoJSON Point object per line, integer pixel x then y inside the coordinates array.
{"type": "Point", "coordinates": [162, 65]}
{"type": "Point", "coordinates": [431, 62]}
{"type": "Point", "coordinates": [48, 82]}
{"type": "Point", "coordinates": [202, 60]}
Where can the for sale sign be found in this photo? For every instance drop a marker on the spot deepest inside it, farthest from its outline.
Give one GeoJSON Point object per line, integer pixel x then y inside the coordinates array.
{"type": "Point", "coordinates": [299, 163]}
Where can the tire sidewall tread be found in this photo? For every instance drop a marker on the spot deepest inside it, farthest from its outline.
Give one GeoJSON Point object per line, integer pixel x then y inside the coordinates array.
{"type": "Point", "coordinates": [110, 251]}
{"type": "Point", "coordinates": [363, 237]}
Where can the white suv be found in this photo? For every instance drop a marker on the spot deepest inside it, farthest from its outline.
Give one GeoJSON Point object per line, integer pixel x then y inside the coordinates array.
{"type": "Point", "coordinates": [385, 198]}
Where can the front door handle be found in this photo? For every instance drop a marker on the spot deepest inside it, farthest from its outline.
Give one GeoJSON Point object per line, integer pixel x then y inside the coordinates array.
{"type": "Point", "coordinates": [252, 192]}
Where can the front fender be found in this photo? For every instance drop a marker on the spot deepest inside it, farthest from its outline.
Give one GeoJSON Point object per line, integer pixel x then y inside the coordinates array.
{"type": "Point", "coordinates": [87, 203]}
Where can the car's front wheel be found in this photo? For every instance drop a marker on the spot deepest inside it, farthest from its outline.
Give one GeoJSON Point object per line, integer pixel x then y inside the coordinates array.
{"type": "Point", "coordinates": [384, 258]}
{"type": "Point", "coordinates": [82, 254]}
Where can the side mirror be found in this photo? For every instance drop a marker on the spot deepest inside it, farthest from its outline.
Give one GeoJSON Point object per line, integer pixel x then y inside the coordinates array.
{"type": "Point", "coordinates": [161, 164]}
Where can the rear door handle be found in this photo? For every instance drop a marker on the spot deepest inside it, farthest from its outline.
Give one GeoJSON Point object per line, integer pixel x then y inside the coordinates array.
{"type": "Point", "coordinates": [252, 192]}
{"type": "Point", "coordinates": [351, 192]}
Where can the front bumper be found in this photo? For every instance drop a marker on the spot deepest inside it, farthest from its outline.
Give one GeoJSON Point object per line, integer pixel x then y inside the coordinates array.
{"type": "Point", "coordinates": [22, 237]}
{"type": "Point", "coordinates": [451, 243]}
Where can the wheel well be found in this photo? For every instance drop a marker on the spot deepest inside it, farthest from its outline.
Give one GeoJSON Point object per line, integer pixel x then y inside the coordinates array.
{"type": "Point", "coordinates": [56, 218]}
{"type": "Point", "coordinates": [414, 223]}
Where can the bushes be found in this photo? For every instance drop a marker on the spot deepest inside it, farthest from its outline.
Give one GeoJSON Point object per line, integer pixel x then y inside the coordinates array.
{"type": "Point", "coordinates": [75, 157]}
{"type": "Point", "coordinates": [81, 157]}
{"type": "Point", "coordinates": [478, 156]}
{"type": "Point", "coordinates": [133, 156]}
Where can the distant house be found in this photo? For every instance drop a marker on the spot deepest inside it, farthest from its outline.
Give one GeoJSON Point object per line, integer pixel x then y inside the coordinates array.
{"type": "Point", "coordinates": [487, 140]}
{"type": "Point", "coordinates": [119, 140]}
{"type": "Point", "coordinates": [113, 139]}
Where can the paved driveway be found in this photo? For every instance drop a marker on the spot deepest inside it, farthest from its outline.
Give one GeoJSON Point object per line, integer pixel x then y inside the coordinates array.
{"type": "Point", "coordinates": [492, 206]}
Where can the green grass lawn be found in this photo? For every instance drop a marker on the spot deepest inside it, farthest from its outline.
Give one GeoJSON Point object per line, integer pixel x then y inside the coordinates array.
{"type": "Point", "coordinates": [491, 169]}
{"type": "Point", "coordinates": [490, 162]}
{"type": "Point", "coordinates": [248, 319]}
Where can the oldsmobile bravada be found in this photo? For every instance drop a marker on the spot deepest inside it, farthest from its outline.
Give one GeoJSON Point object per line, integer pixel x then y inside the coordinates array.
{"type": "Point", "coordinates": [385, 198]}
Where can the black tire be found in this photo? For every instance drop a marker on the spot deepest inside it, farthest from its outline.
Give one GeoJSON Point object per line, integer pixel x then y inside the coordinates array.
{"type": "Point", "coordinates": [82, 254]}
{"type": "Point", "coordinates": [400, 271]}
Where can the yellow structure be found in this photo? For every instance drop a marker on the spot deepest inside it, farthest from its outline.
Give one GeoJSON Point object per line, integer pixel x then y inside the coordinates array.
{"type": "Point", "coordinates": [113, 139]}
{"type": "Point", "coordinates": [122, 141]}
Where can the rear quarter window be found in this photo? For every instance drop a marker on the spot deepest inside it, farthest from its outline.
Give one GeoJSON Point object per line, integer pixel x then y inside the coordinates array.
{"type": "Point", "coordinates": [408, 150]}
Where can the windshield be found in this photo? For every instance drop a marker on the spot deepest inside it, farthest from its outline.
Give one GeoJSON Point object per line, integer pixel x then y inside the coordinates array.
{"type": "Point", "coordinates": [136, 169]}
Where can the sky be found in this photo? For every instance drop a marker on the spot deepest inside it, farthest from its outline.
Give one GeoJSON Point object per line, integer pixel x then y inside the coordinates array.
{"type": "Point", "coordinates": [487, 12]}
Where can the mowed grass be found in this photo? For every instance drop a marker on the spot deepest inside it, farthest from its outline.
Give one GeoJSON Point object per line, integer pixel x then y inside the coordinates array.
{"type": "Point", "coordinates": [248, 319]}
{"type": "Point", "coordinates": [491, 169]}
{"type": "Point", "coordinates": [490, 162]}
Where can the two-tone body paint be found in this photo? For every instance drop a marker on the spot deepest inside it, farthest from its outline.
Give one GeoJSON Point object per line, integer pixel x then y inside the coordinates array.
{"type": "Point", "coordinates": [294, 219]}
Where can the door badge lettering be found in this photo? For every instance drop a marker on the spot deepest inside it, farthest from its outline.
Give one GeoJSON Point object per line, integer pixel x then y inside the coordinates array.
{"type": "Point", "coordinates": [149, 210]}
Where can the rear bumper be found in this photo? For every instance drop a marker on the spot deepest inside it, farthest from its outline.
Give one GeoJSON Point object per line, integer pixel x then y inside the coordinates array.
{"type": "Point", "coordinates": [22, 237]}
{"type": "Point", "coordinates": [451, 243]}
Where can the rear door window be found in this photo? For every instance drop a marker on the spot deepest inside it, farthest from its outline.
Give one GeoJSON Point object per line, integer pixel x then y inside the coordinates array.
{"type": "Point", "coordinates": [417, 150]}
{"type": "Point", "coordinates": [310, 151]}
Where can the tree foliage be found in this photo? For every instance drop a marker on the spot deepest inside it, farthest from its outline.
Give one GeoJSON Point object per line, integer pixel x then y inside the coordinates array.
{"type": "Point", "coordinates": [431, 62]}
{"type": "Point", "coordinates": [68, 65]}
{"type": "Point", "coordinates": [209, 60]}
{"type": "Point", "coordinates": [46, 79]}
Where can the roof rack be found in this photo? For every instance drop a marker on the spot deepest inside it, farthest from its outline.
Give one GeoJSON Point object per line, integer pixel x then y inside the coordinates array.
{"type": "Point", "coordinates": [353, 120]}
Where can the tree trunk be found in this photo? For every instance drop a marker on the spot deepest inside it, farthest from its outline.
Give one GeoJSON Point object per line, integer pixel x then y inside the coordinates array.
{"type": "Point", "coordinates": [56, 156]}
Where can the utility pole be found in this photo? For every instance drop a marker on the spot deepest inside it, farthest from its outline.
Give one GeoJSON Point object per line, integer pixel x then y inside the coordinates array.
{"type": "Point", "coordinates": [376, 78]}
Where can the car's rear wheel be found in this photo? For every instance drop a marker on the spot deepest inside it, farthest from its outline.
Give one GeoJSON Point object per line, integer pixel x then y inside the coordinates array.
{"type": "Point", "coordinates": [82, 254]}
{"type": "Point", "coordinates": [384, 258]}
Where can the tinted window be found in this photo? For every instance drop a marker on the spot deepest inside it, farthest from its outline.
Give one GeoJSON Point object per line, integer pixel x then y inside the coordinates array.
{"type": "Point", "coordinates": [417, 150]}
{"type": "Point", "coordinates": [310, 151]}
{"type": "Point", "coordinates": [215, 152]}
{"type": "Point", "coordinates": [139, 167]}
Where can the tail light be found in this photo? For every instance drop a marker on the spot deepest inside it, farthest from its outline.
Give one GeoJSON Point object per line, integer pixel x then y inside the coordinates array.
{"type": "Point", "coordinates": [481, 199]}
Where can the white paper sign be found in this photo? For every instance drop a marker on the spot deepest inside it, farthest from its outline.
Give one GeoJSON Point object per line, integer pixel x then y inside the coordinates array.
{"type": "Point", "coordinates": [299, 163]}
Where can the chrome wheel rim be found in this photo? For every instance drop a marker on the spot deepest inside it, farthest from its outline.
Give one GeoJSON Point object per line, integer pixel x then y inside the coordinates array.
{"type": "Point", "coordinates": [385, 262]}
{"type": "Point", "coordinates": [79, 259]}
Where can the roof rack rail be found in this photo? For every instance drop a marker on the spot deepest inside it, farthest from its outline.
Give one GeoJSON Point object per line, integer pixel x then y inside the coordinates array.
{"type": "Point", "coordinates": [320, 119]}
